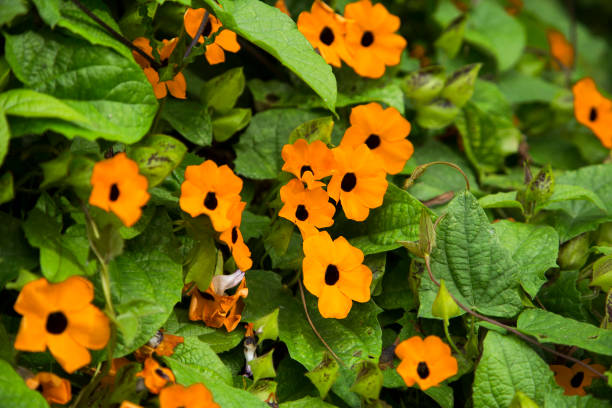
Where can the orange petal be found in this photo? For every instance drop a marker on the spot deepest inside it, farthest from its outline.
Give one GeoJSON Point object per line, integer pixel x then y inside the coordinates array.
{"type": "Point", "coordinates": [68, 352]}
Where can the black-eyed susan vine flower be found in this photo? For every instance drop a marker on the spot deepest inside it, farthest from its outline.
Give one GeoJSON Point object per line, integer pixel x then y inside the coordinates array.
{"type": "Point", "coordinates": [119, 187]}
{"type": "Point", "coordinates": [308, 209]}
{"type": "Point", "coordinates": [212, 190]}
{"type": "Point", "coordinates": [383, 131]}
{"type": "Point", "coordinates": [155, 376]}
{"type": "Point", "coordinates": [427, 361]}
{"type": "Point", "coordinates": [194, 396]}
{"type": "Point", "coordinates": [334, 272]}
{"type": "Point", "coordinates": [325, 30]}
{"type": "Point", "coordinates": [60, 316]}
{"type": "Point", "coordinates": [232, 237]}
{"type": "Point", "coordinates": [54, 389]}
{"type": "Point", "coordinates": [129, 404]}
{"type": "Point", "coordinates": [226, 40]}
{"type": "Point", "coordinates": [162, 344]}
{"type": "Point", "coordinates": [309, 162]}
{"type": "Point", "coordinates": [359, 182]}
{"type": "Point", "coordinates": [177, 85]}
{"type": "Point", "coordinates": [573, 379]}
{"type": "Point", "coordinates": [593, 110]}
{"type": "Point", "coordinates": [371, 39]}
{"type": "Point", "coordinates": [214, 307]}
{"type": "Point", "coordinates": [561, 50]}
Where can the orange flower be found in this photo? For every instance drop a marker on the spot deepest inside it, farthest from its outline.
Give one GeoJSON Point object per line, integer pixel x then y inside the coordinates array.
{"type": "Point", "coordinates": [514, 7]}
{"type": "Point", "coordinates": [119, 187]}
{"type": "Point", "coordinates": [574, 379]}
{"type": "Point", "coordinates": [128, 404]}
{"type": "Point", "coordinates": [593, 110]}
{"type": "Point", "coordinates": [216, 308]}
{"type": "Point", "coordinates": [280, 4]}
{"type": "Point", "coordinates": [234, 240]}
{"type": "Point", "coordinates": [334, 272]}
{"type": "Point", "coordinates": [168, 344]}
{"type": "Point", "coordinates": [384, 132]}
{"type": "Point", "coordinates": [308, 209]}
{"type": "Point", "coordinates": [60, 316]}
{"type": "Point", "coordinates": [177, 85]}
{"type": "Point", "coordinates": [560, 49]}
{"type": "Point", "coordinates": [359, 182]}
{"type": "Point", "coordinates": [210, 190]}
{"type": "Point", "coordinates": [427, 362]}
{"type": "Point", "coordinates": [54, 389]}
{"type": "Point", "coordinates": [194, 396]}
{"type": "Point", "coordinates": [116, 365]}
{"type": "Point", "coordinates": [325, 30]}
{"type": "Point", "coordinates": [370, 38]}
{"type": "Point", "coordinates": [225, 40]}
{"type": "Point", "coordinates": [308, 162]}
{"type": "Point", "coordinates": [155, 376]}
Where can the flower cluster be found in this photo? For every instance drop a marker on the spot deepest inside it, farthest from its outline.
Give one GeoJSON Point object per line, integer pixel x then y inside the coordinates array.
{"type": "Point", "coordinates": [215, 191]}
{"type": "Point", "coordinates": [225, 40]}
{"type": "Point", "coordinates": [364, 38]}
{"type": "Point", "coordinates": [177, 85]}
{"type": "Point", "coordinates": [593, 110]}
{"type": "Point", "coordinates": [375, 144]}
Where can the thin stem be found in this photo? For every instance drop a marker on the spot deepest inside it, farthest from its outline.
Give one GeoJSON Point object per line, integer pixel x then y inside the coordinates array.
{"type": "Point", "coordinates": [448, 337]}
{"type": "Point", "coordinates": [512, 329]}
{"type": "Point", "coordinates": [421, 169]}
{"type": "Point", "coordinates": [115, 34]}
{"type": "Point", "coordinates": [314, 329]}
{"type": "Point", "coordinates": [198, 35]}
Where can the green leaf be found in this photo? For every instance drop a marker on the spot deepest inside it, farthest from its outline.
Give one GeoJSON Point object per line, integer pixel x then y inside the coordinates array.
{"type": "Point", "coordinates": [508, 365]}
{"type": "Point", "coordinates": [579, 216]}
{"type": "Point", "coordinates": [15, 253]}
{"type": "Point", "coordinates": [396, 220]}
{"type": "Point", "coordinates": [442, 394]}
{"type": "Point", "coordinates": [501, 200]}
{"type": "Point", "coordinates": [225, 125]}
{"type": "Point", "coordinates": [365, 90]}
{"type": "Point", "coordinates": [221, 92]}
{"type": "Point", "coordinates": [146, 283]}
{"type": "Point", "coordinates": [602, 273]}
{"type": "Point", "coordinates": [195, 357]}
{"type": "Point", "coordinates": [110, 91]}
{"type": "Point", "coordinates": [565, 192]}
{"type": "Point", "coordinates": [551, 328]}
{"type": "Point", "coordinates": [203, 258]}
{"type": "Point", "coordinates": [190, 119]}
{"type": "Point", "coordinates": [263, 366]}
{"type": "Point", "coordinates": [521, 88]}
{"type": "Point", "coordinates": [437, 114]}
{"type": "Point", "coordinates": [533, 247]}
{"type": "Point", "coordinates": [258, 153]}
{"type": "Point", "coordinates": [7, 192]}
{"type": "Point", "coordinates": [316, 129]}
{"type": "Point", "coordinates": [396, 291]}
{"type": "Point", "coordinates": [266, 327]}
{"type": "Point", "coordinates": [5, 73]}
{"type": "Point", "coordinates": [266, 27]}
{"type": "Point", "coordinates": [15, 393]}
{"type": "Point", "coordinates": [459, 86]}
{"type": "Point", "coordinates": [352, 339]}
{"type": "Point", "coordinates": [563, 297]}
{"type": "Point", "coordinates": [157, 156]}
{"type": "Point", "coordinates": [11, 9]}
{"type": "Point", "coordinates": [556, 399]}
{"type": "Point", "coordinates": [425, 84]}
{"type": "Point", "coordinates": [324, 375]}
{"type": "Point", "coordinates": [49, 10]}
{"type": "Point", "coordinates": [451, 38]}
{"type": "Point", "coordinates": [369, 380]}
{"type": "Point", "coordinates": [306, 402]}
{"type": "Point", "coordinates": [478, 270]}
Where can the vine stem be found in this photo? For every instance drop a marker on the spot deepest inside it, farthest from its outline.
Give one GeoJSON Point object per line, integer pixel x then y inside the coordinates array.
{"type": "Point", "coordinates": [512, 329]}
{"type": "Point", "coordinates": [115, 34]}
{"type": "Point", "coordinates": [419, 170]}
{"type": "Point", "coordinates": [198, 35]}
{"type": "Point", "coordinates": [450, 340]}
{"type": "Point", "coordinates": [314, 329]}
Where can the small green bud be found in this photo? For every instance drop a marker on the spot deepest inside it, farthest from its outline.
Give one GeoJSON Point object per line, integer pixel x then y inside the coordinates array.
{"type": "Point", "coordinates": [427, 234]}
{"type": "Point", "coordinates": [425, 84]}
{"type": "Point", "coordinates": [573, 254]}
{"type": "Point", "coordinates": [604, 237]}
{"type": "Point", "coordinates": [369, 380]}
{"type": "Point", "coordinates": [444, 306]}
{"type": "Point", "coordinates": [521, 400]}
{"type": "Point", "coordinates": [437, 114]}
{"type": "Point", "coordinates": [460, 85]}
{"type": "Point", "coordinates": [266, 327]}
{"type": "Point", "coordinates": [263, 367]}
{"type": "Point", "coordinates": [451, 38]}
{"type": "Point", "coordinates": [262, 389]}
{"type": "Point", "coordinates": [607, 320]}
{"type": "Point", "coordinates": [324, 375]}
{"type": "Point", "coordinates": [221, 92]}
{"type": "Point", "coordinates": [602, 273]}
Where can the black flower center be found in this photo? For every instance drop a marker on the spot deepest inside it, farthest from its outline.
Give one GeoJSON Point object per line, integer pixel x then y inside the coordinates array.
{"type": "Point", "coordinates": [114, 192]}
{"type": "Point", "coordinates": [331, 275]}
{"type": "Point", "coordinates": [367, 39]}
{"type": "Point", "coordinates": [349, 181]}
{"type": "Point", "coordinates": [577, 379]}
{"type": "Point", "coordinates": [327, 36]}
{"type": "Point", "coordinates": [304, 169]}
{"type": "Point", "coordinates": [39, 388]}
{"type": "Point", "coordinates": [423, 370]}
{"type": "Point", "coordinates": [160, 373]}
{"type": "Point", "coordinates": [234, 235]}
{"type": "Point", "coordinates": [56, 323]}
{"type": "Point", "coordinates": [373, 141]}
{"type": "Point", "coordinates": [210, 201]}
{"type": "Point", "coordinates": [593, 115]}
{"type": "Point", "coordinates": [207, 296]}
{"type": "Point", "coordinates": [301, 213]}
{"type": "Point", "coordinates": [207, 28]}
